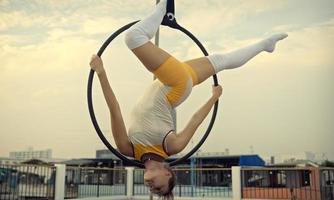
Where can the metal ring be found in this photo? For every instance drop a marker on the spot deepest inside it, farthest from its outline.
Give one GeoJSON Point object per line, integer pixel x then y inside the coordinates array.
{"type": "Point", "coordinates": [126, 160]}
{"type": "Point", "coordinates": [170, 16]}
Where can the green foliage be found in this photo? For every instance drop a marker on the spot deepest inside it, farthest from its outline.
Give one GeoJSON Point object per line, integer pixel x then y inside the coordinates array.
{"type": "Point", "coordinates": [327, 163]}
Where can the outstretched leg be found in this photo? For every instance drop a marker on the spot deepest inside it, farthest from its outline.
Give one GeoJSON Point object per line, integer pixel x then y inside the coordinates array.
{"type": "Point", "coordinates": [207, 66]}
{"type": "Point", "coordinates": [138, 38]}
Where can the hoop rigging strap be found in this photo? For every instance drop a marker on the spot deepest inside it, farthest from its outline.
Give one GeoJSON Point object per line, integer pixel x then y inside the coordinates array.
{"type": "Point", "coordinates": [169, 20]}
{"type": "Point", "coordinates": [170, 7]}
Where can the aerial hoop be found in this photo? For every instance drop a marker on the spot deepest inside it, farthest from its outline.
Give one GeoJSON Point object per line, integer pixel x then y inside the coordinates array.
{"type": "Point", "coordinates": [171, 22]}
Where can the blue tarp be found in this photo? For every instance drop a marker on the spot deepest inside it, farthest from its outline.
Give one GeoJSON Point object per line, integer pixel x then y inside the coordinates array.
{"type": "Point", "coordinates": [251, 160]}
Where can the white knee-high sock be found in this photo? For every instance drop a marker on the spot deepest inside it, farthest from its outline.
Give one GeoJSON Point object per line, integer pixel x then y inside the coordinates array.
{"type": "Point", "coordinates": [239, 57]}
{"type": "Point", "coordinates": [145, 29]}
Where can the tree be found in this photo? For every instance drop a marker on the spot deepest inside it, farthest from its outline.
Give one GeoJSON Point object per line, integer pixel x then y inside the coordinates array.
{"type": "Point", "coordinates": [327, 163]}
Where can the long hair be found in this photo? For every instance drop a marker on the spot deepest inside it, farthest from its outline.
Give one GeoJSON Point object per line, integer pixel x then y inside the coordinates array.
{"type": "Point", "coordinates": [171, 184]}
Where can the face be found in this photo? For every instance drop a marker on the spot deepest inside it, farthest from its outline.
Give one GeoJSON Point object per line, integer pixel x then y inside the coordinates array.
{"type": "Point", "coordinates": [157, 180]}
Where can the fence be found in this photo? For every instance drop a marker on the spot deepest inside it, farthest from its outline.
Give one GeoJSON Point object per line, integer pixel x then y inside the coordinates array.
{"type": "Point", "coordinates": [94, 182]}
{"type": "Point", "coordinates": [59, 182]}
{"type": "Point", "coordinates": [281, 183]}
{"type": "Point", "coordinates": [27, 182]}
{"type": "Point", "coordinates": [205, 182]}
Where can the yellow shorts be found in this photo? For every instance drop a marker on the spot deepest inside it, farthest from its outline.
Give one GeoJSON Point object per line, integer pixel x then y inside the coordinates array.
{"type": "Point", "coordinates": [179, 76]}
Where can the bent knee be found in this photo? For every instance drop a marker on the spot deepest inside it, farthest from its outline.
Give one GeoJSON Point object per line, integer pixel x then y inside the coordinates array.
{"type": "Point", "coordinates": [135, 38]}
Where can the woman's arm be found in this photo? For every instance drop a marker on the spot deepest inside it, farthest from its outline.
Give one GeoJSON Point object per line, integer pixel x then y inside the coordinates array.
{"type": "Point", "coordinates": [177, 142]}
{"type": "Point", "coordinates": [117, 124]}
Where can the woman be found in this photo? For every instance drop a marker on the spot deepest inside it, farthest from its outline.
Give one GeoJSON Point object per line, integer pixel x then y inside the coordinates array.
{"type": "Point", "coordinates": [152, 137]}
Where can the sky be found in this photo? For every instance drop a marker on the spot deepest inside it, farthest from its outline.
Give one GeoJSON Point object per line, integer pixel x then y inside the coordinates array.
{"type": "Point", "coordinates": [279, 103]}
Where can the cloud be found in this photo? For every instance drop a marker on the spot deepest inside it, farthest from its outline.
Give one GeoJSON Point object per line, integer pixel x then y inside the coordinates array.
{"type": "Point", "coordinates": [306, 47]}
{"type": "Point", "coordinates": [16, 18]}
{"type": "Point", "coordinates": [4, 2]}
{"type": "Point", "coordinates": [62, 14]}
{"type": "Point", "coordinates": [9, 40]}
{"type": "Point", "coordinates": [102, 25]}
{"type": "Point", "coordinates": [53, 54]}
{"type": "Point", "coordinates": [215, 16]}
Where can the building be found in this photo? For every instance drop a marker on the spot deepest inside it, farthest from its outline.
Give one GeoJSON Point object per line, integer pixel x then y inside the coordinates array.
{"type": "Point", "coordinates": [295, 157]}
{"type": "Point", "coordinates": [104, 153]}
{"type": "Point", "coordinates": [31, 154]}
{"type": "Point", "coordinates": [199, 159]}
{"type": "Point", "coordinates": [219, 159]}
{"type": "Point", "coordinates": [9, 161]}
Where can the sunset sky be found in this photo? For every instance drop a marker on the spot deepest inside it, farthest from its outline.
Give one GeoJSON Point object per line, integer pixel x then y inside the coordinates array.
{"type": "Point", "coordinates": [279, 103]}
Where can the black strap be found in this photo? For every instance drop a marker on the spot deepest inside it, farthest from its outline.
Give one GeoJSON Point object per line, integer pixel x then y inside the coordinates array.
{"type": "Point", "coordinates": [170, 7]}
{"type": "Point", "coordinates": [169, 18]}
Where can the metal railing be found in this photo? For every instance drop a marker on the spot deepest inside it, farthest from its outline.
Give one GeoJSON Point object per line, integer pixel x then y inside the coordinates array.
{"type": "Point", "coordinates": [94, 182]}
{"type": "Point", "coordinates": [196, 182]}
{"type": "Point", "coordinates": [39, 182]}
{"type": "Point", "coordinates": [280, 183]}
{"type": "Point", "coordinates": [27, 182]}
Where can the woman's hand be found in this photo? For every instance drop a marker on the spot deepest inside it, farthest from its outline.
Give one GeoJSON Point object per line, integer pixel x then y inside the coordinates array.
{"type": "Point", "coordinates": [217, 91]}
{"type": "Point", "coordinates": [96, 64]}
{"type": "Point", "coordinates": [180, 141]}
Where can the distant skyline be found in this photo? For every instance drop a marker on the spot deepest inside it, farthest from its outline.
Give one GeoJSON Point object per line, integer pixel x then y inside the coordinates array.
{"type": "Point", "coordinates": [279, 103]}
{"type": "Point", "coordinates": [46, 154]}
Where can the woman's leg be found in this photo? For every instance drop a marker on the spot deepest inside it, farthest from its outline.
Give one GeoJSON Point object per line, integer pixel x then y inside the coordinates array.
{"type": "Point", "coordinates": [138, 39]}
{"type": "Point", "coordinates": [166, 68]}
{"type": "Point", "coordinates": [210, 65]}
